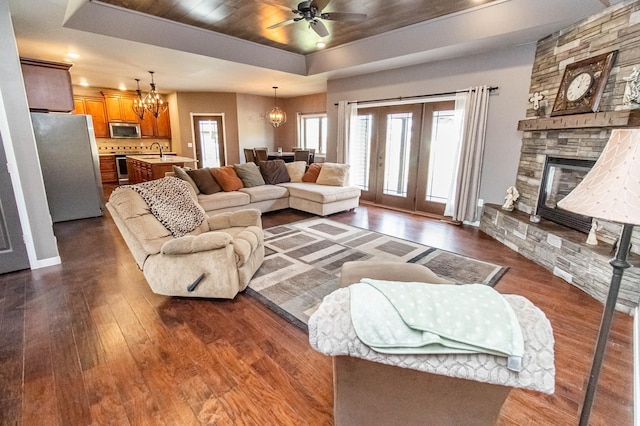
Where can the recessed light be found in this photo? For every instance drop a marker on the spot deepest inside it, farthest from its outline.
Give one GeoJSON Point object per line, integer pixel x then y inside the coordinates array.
{"type": "Point", "coordinates": [73, 55]}
{"type": "Point", "coordinates": [321, 44]}
{"type": "Point", "coordinates": [83, 83]}
{"type": "Point", "coordinates": [122, 87]}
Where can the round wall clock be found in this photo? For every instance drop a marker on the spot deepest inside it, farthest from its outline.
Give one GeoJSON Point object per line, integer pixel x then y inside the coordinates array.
{"type": "Point", "coordinates": [582, 85]}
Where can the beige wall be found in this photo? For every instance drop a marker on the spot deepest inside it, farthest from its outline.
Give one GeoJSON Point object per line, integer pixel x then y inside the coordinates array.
{"type": "Point", "coordinates": [254, 129]}
{"type": "Point", "coordinates": [286, 136]}
{"type": "Point", "coordinates": [186, 103]}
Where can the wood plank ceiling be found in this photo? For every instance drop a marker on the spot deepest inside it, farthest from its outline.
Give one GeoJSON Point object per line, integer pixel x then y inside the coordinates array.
{"type": "Point", "coordinates": [249, 19]}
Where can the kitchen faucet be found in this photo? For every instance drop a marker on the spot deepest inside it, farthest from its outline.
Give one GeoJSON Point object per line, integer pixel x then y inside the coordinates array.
{"type": "Point", "coordinates": [159, 146]}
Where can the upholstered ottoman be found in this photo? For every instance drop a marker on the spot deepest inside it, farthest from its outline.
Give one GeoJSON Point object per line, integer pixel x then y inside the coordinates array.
{"type": "Point", "coordinates": [464, 389]}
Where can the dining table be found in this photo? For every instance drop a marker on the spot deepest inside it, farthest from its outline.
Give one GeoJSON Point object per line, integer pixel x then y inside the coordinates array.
{"type": "Point", "coordinates": [285, 155]}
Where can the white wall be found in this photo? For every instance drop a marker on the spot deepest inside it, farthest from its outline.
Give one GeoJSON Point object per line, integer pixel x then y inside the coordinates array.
{"type": "Point", "coordinates": [37, 227]}
{"type": "Point", "coordinates": [509, 69]}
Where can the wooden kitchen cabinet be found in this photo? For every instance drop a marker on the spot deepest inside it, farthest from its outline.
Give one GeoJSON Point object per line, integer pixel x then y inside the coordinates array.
{"type": "Point", "coordinates": [95, 107]}
{"type": "Point", "coordinates": [48, 85]}
{"type": "Point", "coordinates": [119, 107]}
{"type": "Point", "coordinates": [152, 127]}
{"type": "Point", "coordinates": [108, 170]}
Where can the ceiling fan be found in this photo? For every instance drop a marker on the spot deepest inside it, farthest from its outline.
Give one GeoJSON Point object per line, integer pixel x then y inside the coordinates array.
{"type": "Point", "coordinates": [311, 12]}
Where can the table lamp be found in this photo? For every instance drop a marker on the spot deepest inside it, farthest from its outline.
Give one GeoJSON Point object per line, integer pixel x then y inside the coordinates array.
{"type": "Point", "coordinates": [610, 191]}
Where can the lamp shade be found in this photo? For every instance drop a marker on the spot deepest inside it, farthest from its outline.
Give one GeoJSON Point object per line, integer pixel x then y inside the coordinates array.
{"type": "Point", "coordinates": [611, 190]}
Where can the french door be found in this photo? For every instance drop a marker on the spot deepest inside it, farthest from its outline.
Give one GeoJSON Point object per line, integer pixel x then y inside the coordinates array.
{"type": "Point", "coordinates": [404, 156]}
{"type": "Point", "coordinates": [208, 135]}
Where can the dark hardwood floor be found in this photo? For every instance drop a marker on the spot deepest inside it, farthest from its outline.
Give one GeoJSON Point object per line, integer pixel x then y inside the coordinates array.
{"type": "Point", "coordinates": [86, 342]}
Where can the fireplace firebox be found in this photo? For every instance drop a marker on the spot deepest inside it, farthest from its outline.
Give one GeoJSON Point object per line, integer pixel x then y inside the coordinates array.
{"type": "Point", "coordinates": [560, 177]}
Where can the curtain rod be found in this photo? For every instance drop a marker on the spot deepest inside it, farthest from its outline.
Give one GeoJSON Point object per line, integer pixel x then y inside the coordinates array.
{"type": "Point", "coordinates": [402, 98]}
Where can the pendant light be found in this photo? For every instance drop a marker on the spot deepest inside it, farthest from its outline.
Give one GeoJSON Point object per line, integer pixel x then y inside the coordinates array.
{"type": "Point", "coordinates": [277, 117]}
{"type": "Point", "coordinates": [138, 102]}
{"type": "Point", "coordinates": [153, 103]}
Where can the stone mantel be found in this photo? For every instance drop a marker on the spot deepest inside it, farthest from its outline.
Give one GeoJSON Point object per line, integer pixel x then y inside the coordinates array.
{"type": "Point", "coordinates": [605, 119]}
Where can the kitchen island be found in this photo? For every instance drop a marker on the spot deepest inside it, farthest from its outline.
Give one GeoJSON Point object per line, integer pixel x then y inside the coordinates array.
{"type": "Point", "coordinates": [142, 168]}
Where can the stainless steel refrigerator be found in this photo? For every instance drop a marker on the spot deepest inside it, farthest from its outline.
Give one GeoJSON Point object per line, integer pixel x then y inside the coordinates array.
{"type": "Point", "coordinates": [70, 165]}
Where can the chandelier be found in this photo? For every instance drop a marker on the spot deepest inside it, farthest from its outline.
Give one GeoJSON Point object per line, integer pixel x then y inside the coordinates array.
{"type": "Point", "coordinates": [138, 102]}
{"type": "Point", "coordinates": [153, 103]}
{"type": "Point", "coordinates": [277, 117]}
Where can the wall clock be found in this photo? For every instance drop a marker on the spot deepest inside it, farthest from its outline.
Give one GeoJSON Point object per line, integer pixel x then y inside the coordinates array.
{"type": "Point", "coordinates": [582, 85]}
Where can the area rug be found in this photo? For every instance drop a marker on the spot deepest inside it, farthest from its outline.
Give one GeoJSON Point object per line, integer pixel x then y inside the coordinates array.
{"type": "Point", "coordinates": [303, 260]}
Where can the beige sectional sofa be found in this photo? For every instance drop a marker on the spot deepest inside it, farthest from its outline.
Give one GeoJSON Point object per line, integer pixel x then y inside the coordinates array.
{"type": "Point", "coordinates": [315, 198]}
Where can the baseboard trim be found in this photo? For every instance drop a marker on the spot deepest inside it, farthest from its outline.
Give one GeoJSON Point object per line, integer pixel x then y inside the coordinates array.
{"type": "Point", "coordinates": [43, 263]}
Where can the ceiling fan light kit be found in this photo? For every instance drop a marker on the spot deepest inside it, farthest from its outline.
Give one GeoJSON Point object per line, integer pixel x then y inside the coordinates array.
{"type": "Point", "coordinates": [277, 117]}
{"type": "Point", "coordinates": [311, 12]}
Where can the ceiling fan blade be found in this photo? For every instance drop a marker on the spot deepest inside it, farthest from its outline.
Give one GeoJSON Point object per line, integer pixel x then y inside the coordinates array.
{"type": "Point", "coordinates": [281, 24]}
{"type": "Point", "coordinates": [320, 4]}
{"type": "Point", "coordinates": [343, 16]}
{"type": "Point", "coordinates": [319, 28]}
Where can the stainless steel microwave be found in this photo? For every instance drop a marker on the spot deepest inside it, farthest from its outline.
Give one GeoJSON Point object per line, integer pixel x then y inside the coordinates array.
{"type": "Point", "coordinates": [119, 130]}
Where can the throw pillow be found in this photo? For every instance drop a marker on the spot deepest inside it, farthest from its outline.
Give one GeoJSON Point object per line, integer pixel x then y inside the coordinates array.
{"type": "Point", "coordinates": [182, 174]}
{"type": "Point", "coordinates": [227, 178]}
{"type": "Point", "coordinates": [311, 175]}
{"type": "Point", "coordinates": [274, 171]}
{"type": "Point", "coordinates": [333, 174]}
{"type": "Point", "coordinates": [249, 174]}
{"type": "Point", "coordinates": [204, 180]}
{"type": "Point", "coordinates": [296, 170]}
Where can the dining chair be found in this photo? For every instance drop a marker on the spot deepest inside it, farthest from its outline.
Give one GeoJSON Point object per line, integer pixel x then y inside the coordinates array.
{"type": "Point", "coordinates": [301, 155]}
{"type": "Point", "coordinates": [312, 155]}
{"type": "Point", "coordinates": [261, 154]}
{"type": "Point", "coordinates": [249, 155]}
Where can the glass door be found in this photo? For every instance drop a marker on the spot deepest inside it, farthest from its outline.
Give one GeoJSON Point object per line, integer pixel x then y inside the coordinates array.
{"type": "Point", "coordinates": [437, 163]}
{"type": "Point", "coordinates": [209, 141]}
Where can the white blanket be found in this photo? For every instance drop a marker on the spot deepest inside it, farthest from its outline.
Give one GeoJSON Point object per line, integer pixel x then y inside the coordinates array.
{"type": "Point", "coordinates": [419, 318]}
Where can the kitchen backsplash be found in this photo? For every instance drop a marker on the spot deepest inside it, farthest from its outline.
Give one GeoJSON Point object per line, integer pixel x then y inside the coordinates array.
{"type": "Point", "coordinates": [106, 145]}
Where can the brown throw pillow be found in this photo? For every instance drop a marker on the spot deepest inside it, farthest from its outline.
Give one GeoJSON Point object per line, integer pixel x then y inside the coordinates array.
{"type": "Point", "coordinates": [227, 178]}
{"type": "Point", "coordinates": [249, 174]}
{"type": "Point", "coordinates": [311, 175]}
{"type": "Point", "coordinates": [182, 174]}
{"type": "Point", "coordinates": [204, 181]}
{"type": "Point", "coordinates": [274, 171]}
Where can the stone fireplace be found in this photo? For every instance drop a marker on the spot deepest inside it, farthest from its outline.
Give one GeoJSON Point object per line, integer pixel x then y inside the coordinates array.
{"type": "Point", "coordinates": [581, 137]}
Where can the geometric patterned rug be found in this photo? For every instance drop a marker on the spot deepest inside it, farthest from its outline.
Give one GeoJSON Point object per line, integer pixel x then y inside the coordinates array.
{"type": "Point", "coordinates": [303, 261]}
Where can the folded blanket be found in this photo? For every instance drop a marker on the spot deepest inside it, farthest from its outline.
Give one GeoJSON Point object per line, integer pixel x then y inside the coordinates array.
{"type": "Point", "coordinates": [170, 202]}
{"type": "Point", "coordinates": [419, 318]}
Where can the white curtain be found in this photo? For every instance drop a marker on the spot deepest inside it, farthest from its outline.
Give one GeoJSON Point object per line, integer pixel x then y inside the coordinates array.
{"type": "Point", "coordinates": [347, 117]}
{"type": "Point", "coordinates": [471, 110]}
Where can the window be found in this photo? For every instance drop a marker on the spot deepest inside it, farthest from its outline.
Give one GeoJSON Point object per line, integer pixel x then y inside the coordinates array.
{"type": "Point", "coordinates": [312, 132]}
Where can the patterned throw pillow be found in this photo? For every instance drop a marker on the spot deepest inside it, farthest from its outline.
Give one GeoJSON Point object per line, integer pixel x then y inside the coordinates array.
{"type": "Point", "coordinates": [274, 172]}
{"type": "Point", "coordinates": [204, 180]}
{"type": "Point", "coordinates": [296, 170]}
{"type": "Point", "coordinates": [249, 174]}
{"type": "Point", "coordinates": [227, 178]}
{"type": "Point", "coordinates": [312, 172]}
{"type": "Point", "coordinates": [333, 174]}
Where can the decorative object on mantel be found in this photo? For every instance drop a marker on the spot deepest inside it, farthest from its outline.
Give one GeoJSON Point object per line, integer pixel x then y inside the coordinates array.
{"type": "Point", "coordinates": [592, 238]}
{"type": "Point", "coordinates": [277, 117]}
{"type": "Point", "coordinates": [510, 198]}
{"type": "Point", "coordinates": [582, 85]}
{"type": "Point", "coordinates": [153, 103]}
{"type": "Point", "coordinates": [610, 191]}
{"type": "Point", "coordinates": [538, 107]}
{"type": "Point", "coordinates": [631, 95]}
{"type": "Point", "coordinates": [138, 102]}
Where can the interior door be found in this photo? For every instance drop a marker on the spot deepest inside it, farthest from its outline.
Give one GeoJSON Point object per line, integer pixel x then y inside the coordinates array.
{"type": "Point", "coordinates": [13, 252]}
{"type": "Point", "coordinates": [209, 140]}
